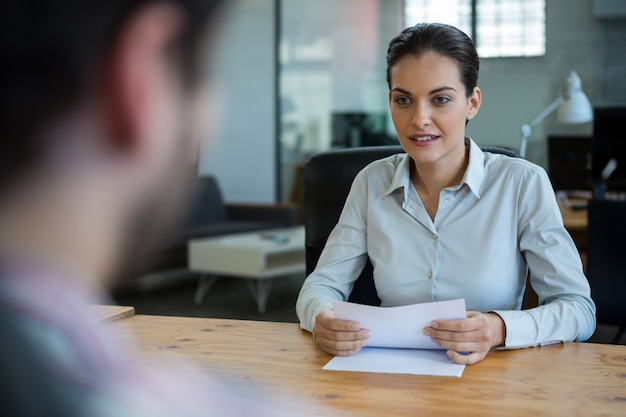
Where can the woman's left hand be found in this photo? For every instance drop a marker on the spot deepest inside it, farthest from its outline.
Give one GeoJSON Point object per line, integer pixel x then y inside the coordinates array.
{"type": "Point", "coordinates": [474, 336]}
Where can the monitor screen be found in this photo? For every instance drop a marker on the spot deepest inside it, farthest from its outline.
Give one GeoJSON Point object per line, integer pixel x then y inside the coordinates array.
{"type": "Point", "coordinates": [609, 142]}
{"type": "Point", "coordinates": [569, 162]}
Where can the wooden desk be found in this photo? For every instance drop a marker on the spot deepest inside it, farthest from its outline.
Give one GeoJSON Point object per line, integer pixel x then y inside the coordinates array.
{"type": "Point", "coordinates": [110, 313]}
{"type": "Point", "coordinates": [567, 379]}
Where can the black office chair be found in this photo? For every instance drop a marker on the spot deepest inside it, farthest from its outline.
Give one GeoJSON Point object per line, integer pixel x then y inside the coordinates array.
{"type": "Point", "coordinates": [606, 266]}
{"type": "Point", "coordinates": [327, 180]}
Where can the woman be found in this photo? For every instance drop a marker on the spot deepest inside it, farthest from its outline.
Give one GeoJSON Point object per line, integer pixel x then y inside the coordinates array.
{"type": "Point", "coordinates": [446, 220]}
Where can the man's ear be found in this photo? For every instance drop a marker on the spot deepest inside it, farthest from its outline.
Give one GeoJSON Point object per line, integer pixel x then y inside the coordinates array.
{"type": "Point", "coordinates": [138, 73]}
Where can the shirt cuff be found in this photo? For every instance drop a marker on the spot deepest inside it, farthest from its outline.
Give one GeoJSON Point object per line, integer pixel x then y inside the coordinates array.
{"type": "Point", "coordinates": [520, 329]}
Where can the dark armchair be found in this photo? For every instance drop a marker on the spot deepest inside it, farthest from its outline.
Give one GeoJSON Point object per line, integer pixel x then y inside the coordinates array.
{"type": "Point", "coordinates": [327, 180]}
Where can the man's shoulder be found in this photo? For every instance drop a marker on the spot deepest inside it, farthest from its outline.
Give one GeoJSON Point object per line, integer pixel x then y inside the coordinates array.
{"type": "Point", "coordinates": [24, 371]}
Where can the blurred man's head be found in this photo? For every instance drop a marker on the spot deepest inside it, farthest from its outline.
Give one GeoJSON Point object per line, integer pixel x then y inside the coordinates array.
{"type": "Point", "coordinates": [100, 100]}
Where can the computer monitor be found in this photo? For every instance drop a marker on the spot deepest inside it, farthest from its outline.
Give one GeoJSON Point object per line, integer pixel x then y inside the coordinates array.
{"type": "Point", "coordinates": [569, 162]}
{"type": "Point", "coordinates": [609, 142]}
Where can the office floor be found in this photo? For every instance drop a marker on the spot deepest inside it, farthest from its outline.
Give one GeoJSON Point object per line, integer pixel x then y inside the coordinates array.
{"type": "Point", "coordinates": [230, 298]}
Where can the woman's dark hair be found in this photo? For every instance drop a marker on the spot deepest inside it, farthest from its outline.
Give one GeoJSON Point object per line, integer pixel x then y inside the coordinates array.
{"type": "Point", "coordinates": [51, 52]}
{"type": "Point", "coordinates": [443, 39]}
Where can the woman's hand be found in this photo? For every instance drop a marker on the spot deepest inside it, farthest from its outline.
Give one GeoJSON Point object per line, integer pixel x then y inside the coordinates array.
{"type": "Point", "coordinates": [338, 337]}
{"type": "Point", "coordinates": [476, 335]}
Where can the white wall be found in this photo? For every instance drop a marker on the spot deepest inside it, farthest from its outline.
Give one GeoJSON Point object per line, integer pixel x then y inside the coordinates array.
{"type": "Point", "coordinates": [243, 157]}
{"type": "Point", "coordinates": [515, 90]}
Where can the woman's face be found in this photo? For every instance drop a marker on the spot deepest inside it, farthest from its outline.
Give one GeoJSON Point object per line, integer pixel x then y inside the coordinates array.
{"type": "Point", "coordinates": [429, 108]}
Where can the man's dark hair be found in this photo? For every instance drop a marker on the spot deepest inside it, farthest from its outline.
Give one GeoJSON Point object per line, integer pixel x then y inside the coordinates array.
{"type": "Point", "coordinates": [51, 52]}
{"type": "Point", "coordinates": [443, 39]}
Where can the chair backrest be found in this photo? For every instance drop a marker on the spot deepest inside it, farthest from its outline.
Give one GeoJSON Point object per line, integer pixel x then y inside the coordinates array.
{"type": "Point", "coordinates": [606, 266]}
{"type": "Point", "coordinates": [327, 180]}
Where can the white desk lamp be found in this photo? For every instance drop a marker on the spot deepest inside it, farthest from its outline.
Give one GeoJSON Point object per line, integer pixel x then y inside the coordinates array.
{"type": "Point", "coordinates": [573, 105]}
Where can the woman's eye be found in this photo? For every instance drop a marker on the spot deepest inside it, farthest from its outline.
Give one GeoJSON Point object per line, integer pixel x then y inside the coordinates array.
{"type": "Point", "coordinates": [441, 100]}
{"type": "Point", "coordinates": [402, 100]}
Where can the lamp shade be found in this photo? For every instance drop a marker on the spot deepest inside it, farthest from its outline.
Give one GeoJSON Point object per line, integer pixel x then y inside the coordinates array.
{"type": "Point", "coordinates": [572, 107]}
{"type": "Point", "coordinates": [575, 107]}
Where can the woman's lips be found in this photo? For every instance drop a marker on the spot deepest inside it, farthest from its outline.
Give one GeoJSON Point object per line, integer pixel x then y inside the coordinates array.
{"type": "Point", "coordinates": [423, 139]}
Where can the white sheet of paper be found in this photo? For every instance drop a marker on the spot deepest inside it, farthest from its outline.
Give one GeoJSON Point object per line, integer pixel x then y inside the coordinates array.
{"type": "Point", "coordinates": [397, 361]}
{"type": "Point", "coordinates": [400, 327]}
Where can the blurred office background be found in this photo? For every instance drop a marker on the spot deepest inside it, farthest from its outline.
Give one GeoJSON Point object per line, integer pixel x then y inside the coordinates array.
{"type": "Point", "coordinates": [303, 76]}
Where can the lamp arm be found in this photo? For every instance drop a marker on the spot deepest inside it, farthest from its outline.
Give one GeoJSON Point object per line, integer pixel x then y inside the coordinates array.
{"type": "Point", "coordinates": [547, 111]}
{"type": "Point", "coordinates": [528, 127]}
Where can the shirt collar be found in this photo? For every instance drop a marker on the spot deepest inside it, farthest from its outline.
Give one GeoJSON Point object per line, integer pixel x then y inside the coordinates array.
{"type": "Point", "coordinates": [475, 171]}
{"type": "Point", "coordinates": [473, 176]}
{"type": "Point", "coordinates": [401, 177]}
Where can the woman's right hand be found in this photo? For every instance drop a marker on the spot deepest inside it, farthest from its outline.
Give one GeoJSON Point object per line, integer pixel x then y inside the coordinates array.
{"type": "Point", "coordinates": [339, 337]}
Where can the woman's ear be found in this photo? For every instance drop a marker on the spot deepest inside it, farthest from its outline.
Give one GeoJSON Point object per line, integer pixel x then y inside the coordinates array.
{"type": "Point", "coordinates": [474, 102]}
{"type": "Point", "coordinates": [138, 73]}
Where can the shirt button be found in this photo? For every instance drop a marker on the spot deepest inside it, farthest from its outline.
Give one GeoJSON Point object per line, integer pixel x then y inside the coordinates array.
{"type": "Point", "coordinates": [430, 275]}
{"type": "Point", "coordinates": [447, 199]}
{"type": "Point", "coordinates": [435, 236]}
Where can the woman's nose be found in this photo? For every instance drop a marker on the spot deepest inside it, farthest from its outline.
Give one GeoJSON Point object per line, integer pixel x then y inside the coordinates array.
{"type": "Point", "coordinates": [421, 116]}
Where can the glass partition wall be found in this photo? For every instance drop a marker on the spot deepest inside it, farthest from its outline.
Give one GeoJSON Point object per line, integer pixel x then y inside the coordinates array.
{"type": "Point", "coordinates": [331, 80]}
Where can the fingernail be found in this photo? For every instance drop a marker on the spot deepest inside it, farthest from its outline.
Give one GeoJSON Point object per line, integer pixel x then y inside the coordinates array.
{"type": "Point", "coordinates": [364, 342]}
{"type": "Point", "coordinates": [355, 326]}
{"type": "Point", "coordinates": [426, 332]}
{"type": "Point", "coordinates": [366, 334]}
{"type": "Point", "coordinates": [434, 325]}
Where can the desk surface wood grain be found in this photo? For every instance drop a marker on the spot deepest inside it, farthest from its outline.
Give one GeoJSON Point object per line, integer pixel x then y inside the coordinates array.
{"type": "Point", "coordinates": [577, 379]}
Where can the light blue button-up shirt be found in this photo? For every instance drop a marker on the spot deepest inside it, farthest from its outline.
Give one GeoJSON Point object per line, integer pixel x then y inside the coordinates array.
{"type": "Point", "coordinates": [501, 222]}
